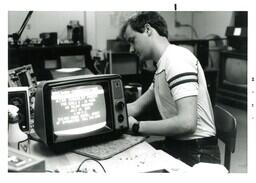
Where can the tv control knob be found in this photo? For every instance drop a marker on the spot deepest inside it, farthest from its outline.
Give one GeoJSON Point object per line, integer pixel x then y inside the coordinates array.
{"type": "Point", "coordinates": [120, 106]}
{"type": "Point", "coordinates": [120, 118]}
{"type": "Point", "coordinates": [15, 78]}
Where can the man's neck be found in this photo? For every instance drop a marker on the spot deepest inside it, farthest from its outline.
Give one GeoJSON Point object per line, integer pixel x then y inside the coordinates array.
{"type": "Point", "coordinates": [159, 48]}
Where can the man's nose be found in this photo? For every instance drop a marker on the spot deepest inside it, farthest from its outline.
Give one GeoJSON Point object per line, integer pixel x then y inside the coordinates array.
{"type": "Point", "coordinates": [132, 50]}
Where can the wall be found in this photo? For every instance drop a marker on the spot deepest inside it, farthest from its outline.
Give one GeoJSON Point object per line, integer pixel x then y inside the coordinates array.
{"type": "Point", "coordinates": [100, 26]}
{"type": "Point", "coordinates": [182, 17]}
{"type": "Point", "coordinates": [208, 24]}
{"type": "Point", "coordinates": [43, 21]}
{"type": "Point", "coordinates": [214, 22]}
{"type": "Point", "coordinates": [106, 25]}
{"type": "Point", "coordinates": [204, 22]}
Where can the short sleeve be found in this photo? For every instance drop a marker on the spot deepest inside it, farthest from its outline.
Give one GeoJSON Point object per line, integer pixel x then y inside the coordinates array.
{"type": "Point", "coordinates": [182, 75]}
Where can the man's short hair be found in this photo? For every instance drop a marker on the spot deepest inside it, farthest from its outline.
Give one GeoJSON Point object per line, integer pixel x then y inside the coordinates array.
{"type": "Point", "coordinates": [138, 21]}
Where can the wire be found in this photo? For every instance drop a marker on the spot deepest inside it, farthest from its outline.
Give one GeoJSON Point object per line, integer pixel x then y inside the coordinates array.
{"type": "Point", "coordinates": [78, 169]}
{"type": "Point", "coordinates": [22, 142]}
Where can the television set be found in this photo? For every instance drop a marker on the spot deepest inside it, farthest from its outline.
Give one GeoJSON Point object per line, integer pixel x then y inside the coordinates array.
{"type": "Point", "coordinates": [124, 63]}
{"type": "Point", "coordinates": [80, 108]}
{"type": "Point", "coordinates": [120, 60]}
{"type": "Point", "coordinates": [232, 86]}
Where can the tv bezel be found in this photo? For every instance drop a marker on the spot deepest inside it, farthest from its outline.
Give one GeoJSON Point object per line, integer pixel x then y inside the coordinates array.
{"type": "Point", "coordinates": [105, 82]}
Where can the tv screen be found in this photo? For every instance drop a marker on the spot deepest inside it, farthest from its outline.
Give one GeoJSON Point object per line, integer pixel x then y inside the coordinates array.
{"type": "Point", "coordinates": [236, 72]}
{"type": "Point", "coordinates": [123, 63]}
{"type": "Point", "coordinates": [233, 72]}
{"type": "Point", "coordinates": [79, 109]}
{"type": "Point", "coordinates": [73, 61]}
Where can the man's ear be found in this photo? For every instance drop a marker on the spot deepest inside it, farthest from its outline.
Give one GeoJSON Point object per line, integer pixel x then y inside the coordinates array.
{"type": "Point", "coordinates": [148, 29]}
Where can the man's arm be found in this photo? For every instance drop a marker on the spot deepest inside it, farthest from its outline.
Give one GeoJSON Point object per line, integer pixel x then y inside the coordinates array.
{"type": "Point", "coordinates": [137, 107]}
{"type": "Point", "coordinates": [183, 123]}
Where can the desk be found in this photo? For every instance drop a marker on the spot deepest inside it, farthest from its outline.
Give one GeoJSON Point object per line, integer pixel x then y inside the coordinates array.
{"type": "Point", "coordinates": [140, 158]}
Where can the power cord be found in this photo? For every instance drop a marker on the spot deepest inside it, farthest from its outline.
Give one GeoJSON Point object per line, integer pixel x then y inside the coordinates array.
{"type": "Point", "coordinates": [19, 145]}
{"type": "Point", "coordinates": [78, 169]}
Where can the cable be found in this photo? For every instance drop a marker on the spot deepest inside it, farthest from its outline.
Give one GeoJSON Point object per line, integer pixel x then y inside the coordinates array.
{"type": "Point", "coordinates": [21, 142]}
{"type": "Point", "coordinates": [78, 169]}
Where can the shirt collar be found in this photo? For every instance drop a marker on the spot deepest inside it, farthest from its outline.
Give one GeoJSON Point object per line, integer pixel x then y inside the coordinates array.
{"type": "Point", "coordinates": [162, 58]}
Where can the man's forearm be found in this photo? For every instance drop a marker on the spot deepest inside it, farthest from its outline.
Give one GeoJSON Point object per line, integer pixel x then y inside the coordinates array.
{"type": "Point", "coordinates": [174, 126]}
{"type": "Point", "coordinates": [184, 122]}
{"type": "Point", "coordinates": [137, 107]}
{"type": "Point", "coordinates": [132, 109]}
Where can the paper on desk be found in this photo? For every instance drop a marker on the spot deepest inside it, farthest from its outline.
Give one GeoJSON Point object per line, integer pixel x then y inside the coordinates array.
{"type": "Point", "coordinates": [209, 168]}
{"type": "Point", "coordinates": [172, 164]}
{"type": "Point", "coordinates": [147, 162]}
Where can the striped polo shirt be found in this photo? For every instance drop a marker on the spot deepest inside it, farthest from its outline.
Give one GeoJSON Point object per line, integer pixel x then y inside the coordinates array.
{"type": "Point", "coordinates": [178, 75]}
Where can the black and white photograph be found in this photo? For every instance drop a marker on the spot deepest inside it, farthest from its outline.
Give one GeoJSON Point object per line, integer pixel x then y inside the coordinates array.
{"type": "Point", "coordinates": [144, 90]}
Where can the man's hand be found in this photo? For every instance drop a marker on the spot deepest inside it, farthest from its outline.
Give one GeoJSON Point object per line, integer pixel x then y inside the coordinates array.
{"type": "Point", "coordinates": [131, 120]}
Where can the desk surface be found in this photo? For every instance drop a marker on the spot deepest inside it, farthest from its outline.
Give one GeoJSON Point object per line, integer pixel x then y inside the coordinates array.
{"type": "Point", "coordinates": [140, 158]}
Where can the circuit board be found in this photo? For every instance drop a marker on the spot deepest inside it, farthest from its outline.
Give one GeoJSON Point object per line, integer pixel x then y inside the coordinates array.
{"type": "Point", "coordinates": [108, 149]}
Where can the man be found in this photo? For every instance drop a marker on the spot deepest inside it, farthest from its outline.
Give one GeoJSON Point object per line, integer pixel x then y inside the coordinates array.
{"type": "Point", "coordinates": [179, 90]}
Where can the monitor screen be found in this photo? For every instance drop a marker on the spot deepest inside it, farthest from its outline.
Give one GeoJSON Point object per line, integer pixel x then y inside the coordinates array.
{"type": "Point", "coordinates": [123, 63]}
{"type": "Point", "coordinates": [73, 61]}
{"type": "Point", "coordinates": [236, 71]}
{"type": "Point", "coordinates": [78, 109]}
